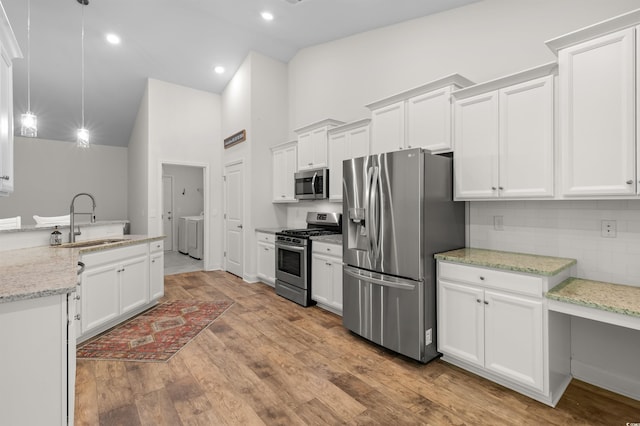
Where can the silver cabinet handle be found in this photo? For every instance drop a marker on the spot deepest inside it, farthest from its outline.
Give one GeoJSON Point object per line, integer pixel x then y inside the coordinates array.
{"type": "Point", "coordinates": [327, 263]}
{"type": "Point", "coordinates": [239, 226]}
{"type": "Point", "coordinates": [629, 182]}
{"type": "Point", "coordinates": [5, 177]}
{"type": "Point", "coordinates": [500, 188]}
{"type": "Point", "coordinates": [481, 278]}
{"type": "Point", "coordinates": [493, 188]}
{"type": "Point", "coordinates": [77, 317]}
{"type": "Point", "coordinates": [486, 303]}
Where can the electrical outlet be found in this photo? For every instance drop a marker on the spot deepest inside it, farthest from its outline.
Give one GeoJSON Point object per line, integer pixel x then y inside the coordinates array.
{"type": "Point", "coordinates": [498, 223]}
{"type": "Point", "coordinates": [609, 229]}
{"type": "Point", "coordinates": [428, 338]}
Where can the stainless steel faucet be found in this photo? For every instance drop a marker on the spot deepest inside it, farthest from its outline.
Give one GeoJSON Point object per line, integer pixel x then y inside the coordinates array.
{"type": "Point", "coordinates": [72, 213]}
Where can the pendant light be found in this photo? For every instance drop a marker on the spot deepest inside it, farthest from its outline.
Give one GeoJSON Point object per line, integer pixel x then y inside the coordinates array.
{"type": "Point", "coordinates": [82, 140]}
{"type": "Point", "coordinates": [29, 121]}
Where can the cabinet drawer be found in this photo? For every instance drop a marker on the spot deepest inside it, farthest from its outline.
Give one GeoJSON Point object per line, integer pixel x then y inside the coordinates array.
{"type": "Point", "coordinates": [155, 246]}
{"type": "Point", "coordinates": [491, 278]}
{"type": "Point", "coordinates": [114, 255]}
{"type": "Point", "coordinates": [266, 237]}
{"type": "Point", "coordinates": [327, 248]}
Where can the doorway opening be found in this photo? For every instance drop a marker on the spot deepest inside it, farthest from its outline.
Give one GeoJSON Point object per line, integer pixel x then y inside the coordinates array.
{"type": "Point", "coordinates": [184, 209]}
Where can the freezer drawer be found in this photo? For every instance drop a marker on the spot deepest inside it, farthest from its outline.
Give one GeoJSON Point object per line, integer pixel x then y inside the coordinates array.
{"type": "Point", "coordinates": [386, 310]}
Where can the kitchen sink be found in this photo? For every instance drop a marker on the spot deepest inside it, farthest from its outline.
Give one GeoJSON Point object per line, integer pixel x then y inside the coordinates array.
{"type": "Point", "coordinates": [91, 243]}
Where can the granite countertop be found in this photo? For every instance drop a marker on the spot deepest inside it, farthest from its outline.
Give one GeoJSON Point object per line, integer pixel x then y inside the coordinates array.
{"type": "Point", "coordinates": [269, 230]}
{"type": "Point", "coordinates": [518, 262]}
{"type": "Point", "coordinates": [332, 238]}
{"type": "Point", "coordinates": [45, 271]}
{"type": "Point", "coordinates": [44, 227]}
{"type": "Point", "coordinates": [618, 298]}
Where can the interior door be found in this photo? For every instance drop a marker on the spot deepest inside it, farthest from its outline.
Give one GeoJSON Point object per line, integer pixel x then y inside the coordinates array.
{"type": "Point", "coordinates": [233, 179]}
{"type": "Point", "coordinates": [167, 210]}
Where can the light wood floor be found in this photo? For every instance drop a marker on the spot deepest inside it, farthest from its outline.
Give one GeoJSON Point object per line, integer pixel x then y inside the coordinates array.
{"type": "Point", "coordinates": [269, 361]}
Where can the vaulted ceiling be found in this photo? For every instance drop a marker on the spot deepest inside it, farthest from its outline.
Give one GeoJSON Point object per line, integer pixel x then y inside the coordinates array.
{"type": "Point", "coordinates": [178, 41]}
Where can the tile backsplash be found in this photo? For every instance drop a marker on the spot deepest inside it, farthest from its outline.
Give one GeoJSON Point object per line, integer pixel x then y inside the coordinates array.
{"type": "Point", "coordinates": [566, 229]}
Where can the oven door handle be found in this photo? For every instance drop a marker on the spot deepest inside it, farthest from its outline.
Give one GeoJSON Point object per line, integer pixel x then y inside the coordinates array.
{"type": "Point", "coordinates": [290, 247]}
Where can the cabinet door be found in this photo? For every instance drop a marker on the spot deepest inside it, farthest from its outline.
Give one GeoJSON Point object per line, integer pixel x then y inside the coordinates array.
{"type": "Point", "coordinates": [134, 283]}
{"type": "Point", "coordinates": [429, 121]}
{"type": "Point", "coordinates": [278, 162]}
{"type": "Point", "coordinates": [100, 298]}
{"type": "Point", "coordinates": [597, 113]}
{"type": "Point", "coordinates": [359, 140]}
{"type": "Point", "coordinates": [336, 284]}
{"type": "Point", "coordinates": [6, 124]}
{"type": "Point", "coordinates": [33, 367]}
{"type": "Point", "coordinates": [513, 338]}
{"type": "Point", "coordinates": [338, 146]}
{"type": "Point", "coordinates": [284, 167]}
{"type": "Point", "coordinates": [289, 169]}
{"type": "Point", "coordinates": [461, 321]}
{"type": "Point", "coordinates": [387, 126]}
{"type": "Point", "coordinates": [156, 276]}
{"type": "Point", "coordinates": [476, 147]}
{"type": "Point", "coordinates": [266, 262]}
{"type": "Point", "coordinates": [321, 279]}
{"type": "Point", "coordinates": [319, 147]}
{"type": "Point", "coordinates": [526, 139]}
{"type": "Point", "coordinates": [305, 151]}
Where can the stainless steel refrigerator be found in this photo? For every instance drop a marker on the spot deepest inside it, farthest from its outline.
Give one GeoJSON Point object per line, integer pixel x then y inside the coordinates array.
{"type": "Point", "coordinates": [398, 212]}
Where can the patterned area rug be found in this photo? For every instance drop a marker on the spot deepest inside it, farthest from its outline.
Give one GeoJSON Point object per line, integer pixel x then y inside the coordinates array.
{"type": "Point", "coordinates": [155, 335]}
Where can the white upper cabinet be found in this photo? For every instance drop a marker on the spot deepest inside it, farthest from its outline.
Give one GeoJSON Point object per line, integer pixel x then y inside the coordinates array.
{"type": "Point", "coordinates": [417, 118]}
{"type": "Point", "coordinates": [312, 144]}
{"type": "Point", "coordinates": [8, 51]}
{"type": "Point", "coordinates": [504, 137]}
{"type": "Point", "coordinates": [284, 162]}
{"type": "Point", "coordinates": [347, 141]}
{"type": "Point", "coordinates": [597, 100]}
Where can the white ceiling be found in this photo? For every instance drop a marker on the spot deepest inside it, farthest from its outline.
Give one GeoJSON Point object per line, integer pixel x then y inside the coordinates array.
{"type": "Point", "coordinates": [178, 41]}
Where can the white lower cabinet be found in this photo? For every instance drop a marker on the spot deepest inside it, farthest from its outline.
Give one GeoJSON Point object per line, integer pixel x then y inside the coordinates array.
{"type": "Point", "coordinates": [266, 256]}
{"type": "Point", "coordinates": [326, 276]}
{"type": "Point", "coordinates": [37, 361]}
{"type": "Point", "coordinates": [116, 285]}
{"type": "Point", "coordinates": [156, 270]}
{"type": "Point", "coordinates": [495, 324]}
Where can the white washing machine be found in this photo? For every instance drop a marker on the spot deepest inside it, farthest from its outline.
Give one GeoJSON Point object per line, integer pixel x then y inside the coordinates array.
{"type": "Point", "coordinates": [182, 236]}
{"type": "Point", "coordinates": [195, 236]}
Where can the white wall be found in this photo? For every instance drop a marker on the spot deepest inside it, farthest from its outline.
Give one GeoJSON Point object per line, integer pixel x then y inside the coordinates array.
{"type": "Point", "coordinates": [49, 173]}
{"type": "Point", "coordinates": [188, 195]}
{"type": "Point", "coordinates": [482, 41]}
{"type": "Point", "coordinates": [138, 151]}
{"type": "Point", "coordinates": [602, 354]}
{"type": "Point", "coordinates": [256, 100]}
{"type": "Point", "coordinates": [184, 128]}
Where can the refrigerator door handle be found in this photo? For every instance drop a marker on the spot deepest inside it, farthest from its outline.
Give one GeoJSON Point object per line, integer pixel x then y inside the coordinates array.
{"type": "Point", "coordinates": [399, 283]}
{"type": "Point", "coordinates": [374, 212]}
{"type": "Point", "coordinates": [367, 201]}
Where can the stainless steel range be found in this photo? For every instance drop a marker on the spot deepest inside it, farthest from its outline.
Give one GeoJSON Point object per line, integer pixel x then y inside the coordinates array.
{"type": "Point", "coordinates": [293, 255]}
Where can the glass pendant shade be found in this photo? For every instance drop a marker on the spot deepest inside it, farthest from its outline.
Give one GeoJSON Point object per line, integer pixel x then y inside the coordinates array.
{"type": "Point", "coordinates": [29, 126]}
{"type": "Point", "coordinates": [83, 138]}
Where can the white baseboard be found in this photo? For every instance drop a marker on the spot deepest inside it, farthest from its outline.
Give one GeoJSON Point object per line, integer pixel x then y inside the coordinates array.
{"type": "Point", "coordinates": [605, 379]}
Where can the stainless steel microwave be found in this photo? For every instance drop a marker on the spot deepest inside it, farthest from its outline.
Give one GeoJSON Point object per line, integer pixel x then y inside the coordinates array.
{"type": "Point", "coordinates": [312, 184]}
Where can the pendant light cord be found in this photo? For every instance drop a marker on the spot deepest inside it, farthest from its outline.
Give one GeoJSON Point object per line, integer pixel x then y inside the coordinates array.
{"type": "Point", "coordinates": [82, 58]}
{"type": "Point", "coordinates": [29, 56]}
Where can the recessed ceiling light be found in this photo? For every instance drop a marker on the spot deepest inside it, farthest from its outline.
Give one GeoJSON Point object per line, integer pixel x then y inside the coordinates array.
{"type": "Point", "coordinates": [267, 16]}
{"type": "Point", "coordinates": [113, 39]}
{"type": "Point", "coordinates": [219, 69]}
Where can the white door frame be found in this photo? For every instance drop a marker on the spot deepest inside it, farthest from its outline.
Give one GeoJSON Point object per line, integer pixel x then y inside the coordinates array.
{"type": "Point", "coordinates": [224, 210]}
{"type": "Point", "coordinates": [173, 210]}
{"type": "Point", "coordinates": [207, 197]}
